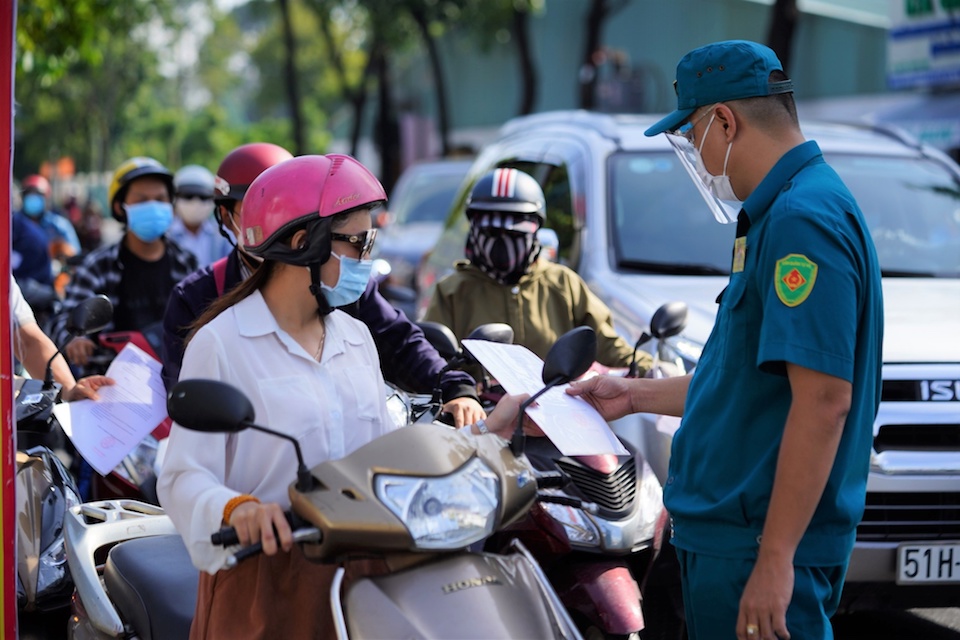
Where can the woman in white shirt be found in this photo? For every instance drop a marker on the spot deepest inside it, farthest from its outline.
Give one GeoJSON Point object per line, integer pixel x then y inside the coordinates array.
{"type": "Point", "coordinates": [309, 369]}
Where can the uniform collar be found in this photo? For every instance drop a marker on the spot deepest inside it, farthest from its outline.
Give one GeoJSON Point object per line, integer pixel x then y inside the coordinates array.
{"type": "Point", "coordinates": [779, 176]}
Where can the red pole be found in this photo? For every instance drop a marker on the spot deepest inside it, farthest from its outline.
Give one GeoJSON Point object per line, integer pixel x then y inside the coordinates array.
{"type": "Point", "coordinates": [8, 541]}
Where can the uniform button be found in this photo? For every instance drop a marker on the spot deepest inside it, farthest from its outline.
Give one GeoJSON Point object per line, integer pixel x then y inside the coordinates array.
{"type": "Point", "coordinates": [335, 415]}
{"type": "Point", "coordinates": [515, 290]}
{"type": "Point", "coordinates": [670, 480]}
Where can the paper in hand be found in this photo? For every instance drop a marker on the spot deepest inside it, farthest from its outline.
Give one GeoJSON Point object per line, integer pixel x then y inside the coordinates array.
{"type": "Point", "coordinates": [571, 423]}
{"type": "Point", "coordinates": [106, 430]}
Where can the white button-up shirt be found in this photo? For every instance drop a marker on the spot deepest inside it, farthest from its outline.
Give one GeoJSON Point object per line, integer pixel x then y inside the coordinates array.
{"type": "Point", "coordinates": [332, 407]}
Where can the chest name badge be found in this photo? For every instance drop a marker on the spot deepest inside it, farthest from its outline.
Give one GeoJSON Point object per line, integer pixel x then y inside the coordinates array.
{"type": "Point", "coordinates": [794, 278]}
{"type": "Point", "coordinates": [739, 253]}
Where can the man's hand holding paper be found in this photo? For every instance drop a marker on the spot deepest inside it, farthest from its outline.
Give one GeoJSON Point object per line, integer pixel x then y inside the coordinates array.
{"type": "Point", "coordinates": [572, 424]}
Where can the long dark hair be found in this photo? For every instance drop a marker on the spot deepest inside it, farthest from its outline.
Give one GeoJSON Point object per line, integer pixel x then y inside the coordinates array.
{"type": "Point", "coordinates": [257, 279]}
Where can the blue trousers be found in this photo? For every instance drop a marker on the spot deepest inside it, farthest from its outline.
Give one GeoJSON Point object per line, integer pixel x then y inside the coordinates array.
{"type": "Point", "coordinates": [712, 587]}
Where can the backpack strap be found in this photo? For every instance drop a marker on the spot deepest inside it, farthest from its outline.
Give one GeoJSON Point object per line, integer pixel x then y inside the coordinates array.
{"type": "Point", "coordinates": [220, 274]}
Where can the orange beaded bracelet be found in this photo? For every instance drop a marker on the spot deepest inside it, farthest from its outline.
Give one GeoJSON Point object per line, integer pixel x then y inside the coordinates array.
{"type": "Point", "coordinates": [235, 502]}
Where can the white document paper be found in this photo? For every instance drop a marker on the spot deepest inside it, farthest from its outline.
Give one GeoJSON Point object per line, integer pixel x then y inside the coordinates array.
{"type": "Point", "coordinates": [106, 430]}
{"type": "Point", "coordinates": [571, 423]}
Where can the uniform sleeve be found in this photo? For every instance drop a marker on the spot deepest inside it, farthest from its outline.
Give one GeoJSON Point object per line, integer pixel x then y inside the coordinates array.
{"type": "Point", "coordinates": [440, 309]}
{"type": "Point", "coordinates": [191, 482]}
{"type": "Point", "coordinates": [810, 290]}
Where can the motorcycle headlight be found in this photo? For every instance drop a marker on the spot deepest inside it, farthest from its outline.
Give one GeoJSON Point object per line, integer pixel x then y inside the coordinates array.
{"type": "Point", "coordinates": [398, 410]}
{"type": "Point", "coordinates": [650, 495]}
{"type": "Point", "coordinates": [52, 568]}
{"type": "Point", "coordinates": [578, 527]}
{"type": "Point", "coordinates": [449, 512]}
{"type": "Point", "coordinates": [137, 466]}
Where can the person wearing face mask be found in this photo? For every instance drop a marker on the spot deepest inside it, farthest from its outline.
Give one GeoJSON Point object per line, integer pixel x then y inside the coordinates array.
{"type": "Point", "coordinates": [502, 279]}
{"type": "Point", "coordinates": [309, 369]}
{"type": "Point", "coordinates": [62, 241]}
{"type": "Point", "coordinates": [768, 471]}
{"type": "Point", "coordinates": [138, 272]}
{"type": "Point", "coordinates": [194, 227]}
{"type": "Point", "coordinates": [406, 358]}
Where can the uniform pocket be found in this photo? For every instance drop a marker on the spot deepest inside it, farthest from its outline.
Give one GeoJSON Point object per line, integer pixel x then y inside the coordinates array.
{"type": "Point", "coordinates": [730, 332]}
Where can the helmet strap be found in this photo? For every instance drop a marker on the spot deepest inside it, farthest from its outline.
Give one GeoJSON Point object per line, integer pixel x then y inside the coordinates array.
{"type": "Point", "coordinates": [322, 305]}
{"type": "Point", "coordinates": [220, 226]}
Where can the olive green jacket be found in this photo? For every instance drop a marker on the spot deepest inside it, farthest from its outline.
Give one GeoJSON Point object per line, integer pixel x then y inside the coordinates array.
{"type": "Point", "coordinates": [547, 302]}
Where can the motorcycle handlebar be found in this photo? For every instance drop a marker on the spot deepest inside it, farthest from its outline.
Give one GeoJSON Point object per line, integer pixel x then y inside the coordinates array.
{"type": "Point", "coordinates": [308, 534]}
{"type": "Point", "coordinates": [227, 536]}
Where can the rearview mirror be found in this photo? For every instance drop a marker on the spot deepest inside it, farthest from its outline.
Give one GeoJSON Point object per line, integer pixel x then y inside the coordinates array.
{"type": "Point", "coordinates": [209, 405]}
{"type": "Point", "coordinates": [570, 356]}
{"type": "Point", "coordinates": [493, 332]}
{"type": "Point", "coordinates": [669, 320]}
{"type": "Point", "coordinates": [90, 316]}
{"type": "Point", "coordinates": [441, 337]}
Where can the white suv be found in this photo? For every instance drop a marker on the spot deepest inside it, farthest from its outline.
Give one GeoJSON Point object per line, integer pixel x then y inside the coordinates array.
{"type": "Point", "coordinates": [632, 224]}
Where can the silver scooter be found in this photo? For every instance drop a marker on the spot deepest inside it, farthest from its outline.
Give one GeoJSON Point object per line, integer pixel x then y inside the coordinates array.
{"type": "Point", "coordinates": [372, 502]}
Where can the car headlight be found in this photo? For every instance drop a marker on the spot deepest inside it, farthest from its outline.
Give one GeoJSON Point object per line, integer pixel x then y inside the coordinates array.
{"type": "Point", "coordinates": [578, 527]}
{"type": "Point", "coordinates": [449, 512]}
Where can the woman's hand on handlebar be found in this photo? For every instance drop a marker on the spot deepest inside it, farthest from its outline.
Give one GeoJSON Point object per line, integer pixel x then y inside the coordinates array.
{"type": "Point", "coordinates": [503, 419]}
{"type": "Point", "coordinates": [465, 410]}
{"type": "Point", "coordinates": [256, 522]}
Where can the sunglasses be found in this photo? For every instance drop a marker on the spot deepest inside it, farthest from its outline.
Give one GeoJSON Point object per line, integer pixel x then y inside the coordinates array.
{"type": "Point", "coordinates": [362, 242]}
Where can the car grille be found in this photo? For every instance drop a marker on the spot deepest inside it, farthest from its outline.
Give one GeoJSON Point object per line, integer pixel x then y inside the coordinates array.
{"type": "Point", "coordinates": [612, 492]}
{"type": "Point", "coordinates": [918, 437]}
{"type": "Point", "coordinates": [897, 517]}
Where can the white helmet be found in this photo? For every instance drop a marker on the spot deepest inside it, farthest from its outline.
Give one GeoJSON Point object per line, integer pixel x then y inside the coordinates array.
{"type": "Point", "coordinates": [194, 180]}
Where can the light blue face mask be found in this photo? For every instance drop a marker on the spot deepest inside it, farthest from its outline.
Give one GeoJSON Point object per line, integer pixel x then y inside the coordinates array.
{"type": "Point", "coordinates": [149, 220]}
{"type": "Point", "coordinates": [34, 205]}
{"type": "Point", "coordinates": [354, 275]}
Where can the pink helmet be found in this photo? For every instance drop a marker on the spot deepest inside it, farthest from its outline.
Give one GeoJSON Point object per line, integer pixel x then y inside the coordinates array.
{"type": "Point", "coordinates": [304, 191]}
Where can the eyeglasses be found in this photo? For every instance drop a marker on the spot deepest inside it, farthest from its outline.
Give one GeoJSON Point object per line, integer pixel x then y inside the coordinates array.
{"type": "Point", "coordinates": [686, 130]}
{"type": "Point", "coordinates": [193, 196]}
{"type": "Point", "coordinates": [362, 242]}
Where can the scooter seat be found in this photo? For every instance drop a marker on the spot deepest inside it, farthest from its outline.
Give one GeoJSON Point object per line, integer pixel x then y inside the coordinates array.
{"type": "Point", "coordinates": [153, 584]}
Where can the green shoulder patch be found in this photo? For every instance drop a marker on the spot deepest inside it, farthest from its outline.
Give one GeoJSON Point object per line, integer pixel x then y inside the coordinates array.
{"type": "Point", "coordinates": [794, 278]}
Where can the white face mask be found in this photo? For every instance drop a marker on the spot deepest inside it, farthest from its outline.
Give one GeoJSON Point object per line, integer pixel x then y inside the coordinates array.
{"type": "Point", "coordinates": [193, 211]}
{"type": "Point", "coordinates": [719, 186]}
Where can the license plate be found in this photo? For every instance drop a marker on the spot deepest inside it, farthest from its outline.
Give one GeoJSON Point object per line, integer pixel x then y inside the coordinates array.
{"type": "Point", "coordinates": [928, 563]}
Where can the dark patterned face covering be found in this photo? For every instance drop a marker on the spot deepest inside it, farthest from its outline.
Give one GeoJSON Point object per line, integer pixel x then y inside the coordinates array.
{"type": "Point", "coordinates": [499, 251]}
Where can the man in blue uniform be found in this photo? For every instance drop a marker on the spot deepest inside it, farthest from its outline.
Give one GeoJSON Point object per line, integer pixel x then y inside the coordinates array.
{"type": "Point", "coordinates": [768, 473]}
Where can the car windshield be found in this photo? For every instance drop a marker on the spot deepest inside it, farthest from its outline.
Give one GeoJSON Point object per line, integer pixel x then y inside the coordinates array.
{"type": "Point", "coordinates": [660, 224]}
{"type": "Point", "coordinates": [425, 196]}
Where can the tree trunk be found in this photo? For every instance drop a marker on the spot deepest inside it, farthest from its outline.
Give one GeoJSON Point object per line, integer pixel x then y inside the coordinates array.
{"type": "Point", "coordinates": [293, 89]}
{"type": "Point", "coordinates": [588, 67]}
{"type": "Point", "coordinates": [359, 99]}
{"type": "Point", "coordinates": [528, 72]}
{"type": "Point", "coordinates": [440, 88]}
{"type": "Point", "coordinates": [783, 23]}
{"type": "Point", "coordinates": [388, 132]}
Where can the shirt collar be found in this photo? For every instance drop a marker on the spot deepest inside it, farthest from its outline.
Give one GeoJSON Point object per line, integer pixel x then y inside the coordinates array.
{"type": "Point", "coordinates": [782, 172]}
{"type": "Point", "coordinates": [254, 319]}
